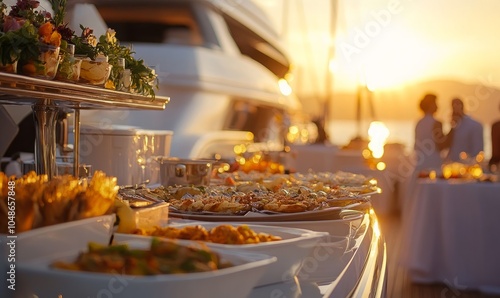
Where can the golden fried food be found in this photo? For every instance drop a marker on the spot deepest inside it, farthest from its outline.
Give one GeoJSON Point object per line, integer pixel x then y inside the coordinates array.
{"type": "Point", "coordinates": [40, 202]}
{"type": "Point", "coordinates": [226, 234]}
{"type": "Point", "coordinates": [28, 190]}
{"type": "Point", "coordinates": [222, 234]}
{"type": "Point", "coordinates": [249, 235]}
{"type": "Point", "coordinates": [98, 197]}
{"type": "Point", "coordinates": [3, 185]}
{"type": "Point", "coordinates": [4, 210]}
{"type": "Point", "coordinates": [170, 233]}
{"type": "Point", "coordinates": [196, 232]}
{"type": "Point", "coordinates": [59, 194]}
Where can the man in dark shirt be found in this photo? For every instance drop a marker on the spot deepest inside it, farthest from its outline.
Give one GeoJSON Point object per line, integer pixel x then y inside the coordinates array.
{"type": "Point", "coordinates": [495, 147]}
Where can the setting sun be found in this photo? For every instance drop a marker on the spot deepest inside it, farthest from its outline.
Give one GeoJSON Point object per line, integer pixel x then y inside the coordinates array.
{"type": "Point", "coordinates": [390, 43]}
{"type": "Point", "coordinates": [397, 58]}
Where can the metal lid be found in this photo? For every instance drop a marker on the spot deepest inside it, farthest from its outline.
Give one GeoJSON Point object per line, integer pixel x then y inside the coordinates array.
{"type": "Point", "coordinates": [121, 130]}
{"type": "Point", "coordinates": [114, 129]}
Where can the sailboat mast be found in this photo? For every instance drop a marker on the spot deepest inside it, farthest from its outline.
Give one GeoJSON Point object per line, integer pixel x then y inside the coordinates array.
{"type": "Point", "coordinates": [331, 54]}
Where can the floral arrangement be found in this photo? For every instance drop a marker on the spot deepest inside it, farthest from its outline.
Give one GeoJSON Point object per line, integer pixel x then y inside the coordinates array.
{"type": "Point", "coordinates": [143, 78]}
{"type": "Point", "coordinates": [17, 41]}
{"type": "Point", "coordinates": [22, 30]}
{"type": "Point", "coordinates": [26, 28]}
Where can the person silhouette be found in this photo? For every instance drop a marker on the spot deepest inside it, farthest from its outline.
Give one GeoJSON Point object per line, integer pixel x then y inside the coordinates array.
{"type": "Point", "coordinates": [430, 141]}
{"type": "Point", "coordinates": [323, 137]}
{"type": "Point", "coordinates": [494, 163]}
{"type": "Point", "coordinates": [468, 134]}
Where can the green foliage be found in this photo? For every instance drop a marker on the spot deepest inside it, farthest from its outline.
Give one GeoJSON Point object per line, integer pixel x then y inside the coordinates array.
{"type": "Point", "coordinates": [144, 80]}
{"type": "Point", "coordinates": [66, 70]}
{"type": "Point", "coordinates": [59, 10]}
{"type": "Point", "coordinates": [19, 44]}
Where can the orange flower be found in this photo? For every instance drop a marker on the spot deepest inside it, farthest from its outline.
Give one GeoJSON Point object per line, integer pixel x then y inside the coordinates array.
{"type": "Point", "coordinates": [48, 35]}
{"type": "Point", "coordinates": [45, 30]}
{"type": "Point", "coordinates": [55, 39]}
{"type": "Point", "coordinates": [109, 85]}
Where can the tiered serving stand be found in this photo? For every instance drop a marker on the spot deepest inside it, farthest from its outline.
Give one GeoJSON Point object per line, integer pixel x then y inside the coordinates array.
{"type": "Point", "coordinates": [48, 97]}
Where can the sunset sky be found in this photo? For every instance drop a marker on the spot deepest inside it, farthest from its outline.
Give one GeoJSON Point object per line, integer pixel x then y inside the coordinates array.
{"type": "Point", "coordinates": [389, 43]}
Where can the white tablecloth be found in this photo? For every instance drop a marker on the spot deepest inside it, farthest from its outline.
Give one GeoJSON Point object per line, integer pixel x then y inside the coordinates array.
{"type": "Point", "coordinates": [451, 234]}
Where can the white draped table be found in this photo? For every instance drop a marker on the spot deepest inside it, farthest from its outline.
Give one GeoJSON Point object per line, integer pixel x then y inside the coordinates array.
{"type": "Point", "coordinates": [451, 234]}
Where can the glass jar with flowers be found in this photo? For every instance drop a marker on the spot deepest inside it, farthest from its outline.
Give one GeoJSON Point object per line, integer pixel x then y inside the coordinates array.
{"type": "Point", "coordinates": [95, 68]}
{"type": "Point", "coordinates": [40, 60]}
{"type": "Point", "coordinates": [95, 72]}
{"type": "Point", "coordinates": [143, 79]}
{"type": "Point", "coordinates": [18, 39]}
{"type": "Point", "coordinates": [69, 66]}
{"type": "Point", "coordinates": [48, 61]}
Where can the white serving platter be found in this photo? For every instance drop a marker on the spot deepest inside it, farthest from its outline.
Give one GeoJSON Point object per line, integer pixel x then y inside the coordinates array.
{"type": "Point", "coordinates": [36, 279]}
{"type": "Point", "coordinates": [291, 251]}
{"type": "Point", "coordinates": [332, 213]}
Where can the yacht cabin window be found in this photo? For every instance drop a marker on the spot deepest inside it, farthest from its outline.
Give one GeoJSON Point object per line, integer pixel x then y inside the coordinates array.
{"type": "Point", "coordinates": [173, 24]}
{"type": "Point", "coordinates": [186, 24]}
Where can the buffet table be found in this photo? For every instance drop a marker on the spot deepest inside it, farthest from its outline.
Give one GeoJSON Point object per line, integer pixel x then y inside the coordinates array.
{"type": "Point", "coordinates": [451, 234]}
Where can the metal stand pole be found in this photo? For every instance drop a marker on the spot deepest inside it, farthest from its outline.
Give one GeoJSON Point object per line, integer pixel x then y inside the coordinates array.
{"type": "Point", "coordinates": [76, 145]}
{"type": "Point", "coordinates": [45, 115]}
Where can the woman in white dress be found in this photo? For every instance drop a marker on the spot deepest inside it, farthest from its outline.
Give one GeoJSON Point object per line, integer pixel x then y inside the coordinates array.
{"type": "Point", "coordinates": [430, 140]}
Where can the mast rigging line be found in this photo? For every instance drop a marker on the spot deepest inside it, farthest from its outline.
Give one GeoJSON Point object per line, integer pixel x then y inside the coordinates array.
{"type": "Point", "coordinates": [308, 49]}
{"type": "Point", "coordinates": [330, 57]}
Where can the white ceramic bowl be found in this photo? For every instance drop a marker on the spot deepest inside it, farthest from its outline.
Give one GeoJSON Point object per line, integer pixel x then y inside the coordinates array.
{"type": "Point", "coordinates": [52, 240]}
{"type": "Point", "coordinates": [37, 278]}
{"type": "Point", "coordinates": [297, 244]}
{"type": "Point", "coordinates": [60, 238]}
